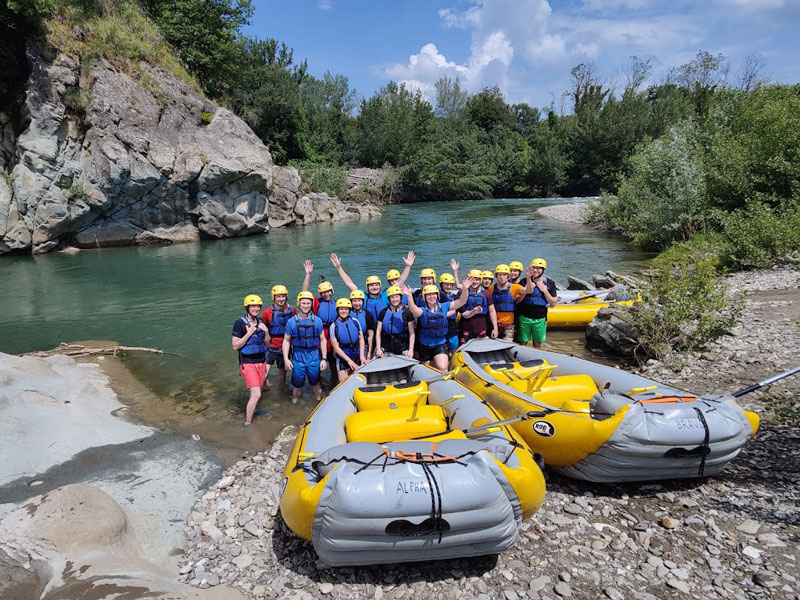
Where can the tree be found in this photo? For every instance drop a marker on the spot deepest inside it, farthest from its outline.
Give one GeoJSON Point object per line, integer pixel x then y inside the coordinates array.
{"type": "Point", "coordinates": [587, 91]}
{"type": "Point", "coordinates": [526, 118]}
{"type": "Point", "coordinates": [450, 98]}
{"type": "Point", "coordinates": [328, 103]}
{"type": "Point", "coordinates": [488, 110]}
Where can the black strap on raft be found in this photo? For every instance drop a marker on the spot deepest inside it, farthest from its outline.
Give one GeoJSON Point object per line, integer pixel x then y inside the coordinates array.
{"type": "Point", "coordinates": [705, 447]}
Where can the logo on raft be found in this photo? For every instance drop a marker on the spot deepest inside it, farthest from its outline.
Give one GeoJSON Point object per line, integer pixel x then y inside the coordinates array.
{"type": "Point", "coordinates": [283, 487]}
{"type": "Point", "coordinates": [544, 429]}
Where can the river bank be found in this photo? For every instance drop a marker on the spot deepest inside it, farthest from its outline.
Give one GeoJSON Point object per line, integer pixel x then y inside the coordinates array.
{"type": "Point", "coordinates": [572, 212]}
{"type": "Point", "coordinates": [731, 536]}
{"type": "Point", "coordinates": [91, 502]}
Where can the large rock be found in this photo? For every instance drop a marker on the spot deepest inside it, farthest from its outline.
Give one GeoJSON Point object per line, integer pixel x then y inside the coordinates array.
{"type": "Point", "coordinates": [149, 160]}
{"type": "Point", "coordinates": [612, 330]}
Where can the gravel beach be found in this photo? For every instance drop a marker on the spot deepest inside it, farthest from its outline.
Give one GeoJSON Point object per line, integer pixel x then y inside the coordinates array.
{"type": "Point", "coordinates": [731, 536]}
{"type": "Point", "coordinates": [574, 212]}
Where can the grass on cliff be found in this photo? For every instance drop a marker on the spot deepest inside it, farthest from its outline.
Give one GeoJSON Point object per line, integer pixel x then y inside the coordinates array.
{"type": "Point", "coordinates": [118, 31]}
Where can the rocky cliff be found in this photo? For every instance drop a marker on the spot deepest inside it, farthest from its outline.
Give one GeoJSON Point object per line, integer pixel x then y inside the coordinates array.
{"type": "Point", "coordinates": [109, 158]}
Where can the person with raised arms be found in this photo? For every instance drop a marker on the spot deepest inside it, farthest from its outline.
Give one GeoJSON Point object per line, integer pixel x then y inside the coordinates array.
{"type": "Point", "coordinates": [275, 316]}
{"type": "Point", "coordinates": [395, 330]}
{"type": "Point", "coordinates": [447, 293]}
{"type": "Point", "coordinates": [375, 300]}
{"type": "Point", "coordinates": [504, 295]}
{"type": "Point", "coordinates": [365, 320]}
{"type": "Point", "coordinates": [347, 340]}
{"type": "Point", "coordinates": [533, 301]}
{"type": "Point", "coordinates": [432, 317]}
{"type": "Point", "coordinates": [303, 345]}
{"type": "Point", "coordinates": [250, 338]}
{"type": "Point", "coordinates": [478, 314]}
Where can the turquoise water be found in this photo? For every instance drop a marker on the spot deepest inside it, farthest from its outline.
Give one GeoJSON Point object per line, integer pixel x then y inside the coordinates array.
{"type": "Point", "coordinates": [184, 298]}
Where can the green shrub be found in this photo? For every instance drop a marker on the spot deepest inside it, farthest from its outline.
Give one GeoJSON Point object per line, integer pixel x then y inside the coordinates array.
{"type": "Point", "coordinates": [76, 100]}
{"type": "Point", "coordinates": [684, 305]}
{"type": "Point", "coordinates": [664, 200]}
{"type": "Point", "coordinates": [205, 118]}
{"type": "Point", "coordinates": [323, 178]}
{"type": "Point", "coordinates": [759, 235]}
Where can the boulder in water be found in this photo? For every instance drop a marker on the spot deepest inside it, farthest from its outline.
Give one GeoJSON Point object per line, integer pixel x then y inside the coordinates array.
{"type": "Point", "coordinates": [612, 330]}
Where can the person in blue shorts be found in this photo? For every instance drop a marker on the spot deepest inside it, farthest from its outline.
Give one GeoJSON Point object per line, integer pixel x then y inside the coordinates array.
{"type": "Point", "coordinates": [302, 346]}
{"type": "Point", "coordinates": [447, 293]}
{"type": "Point", "coordinates": [347, 340]}
{"type": "Point", "coordinates": [432, 317]}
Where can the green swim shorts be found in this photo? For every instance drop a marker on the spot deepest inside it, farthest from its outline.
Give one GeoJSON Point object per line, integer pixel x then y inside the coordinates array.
{"type": "Point", "coordinates": [532, 329]}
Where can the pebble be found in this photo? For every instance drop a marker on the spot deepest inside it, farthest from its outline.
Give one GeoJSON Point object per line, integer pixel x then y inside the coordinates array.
{"type": "Point", "coordinates": [750, 527]}
{"type": "Point", "coordinates": [679, 585]}
{"type": "Point", "coordinates": [669, 522]}
{"type": "Point", "coordinates": [326, 588]}
{"type": "Point", "coordinates": [562, 589]}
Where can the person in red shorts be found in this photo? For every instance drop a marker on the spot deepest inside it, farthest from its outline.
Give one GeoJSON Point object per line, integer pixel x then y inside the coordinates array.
{"type": "Point", "coordinates": [275, 317]}
{"type": "Point", "coordinates": [250, 338]}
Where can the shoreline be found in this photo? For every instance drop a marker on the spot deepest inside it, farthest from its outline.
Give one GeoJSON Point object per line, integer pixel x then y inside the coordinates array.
{"type": "Point", "coordinates": [733, 535]}
{"type": "Point", "coordinates": [571, 212]}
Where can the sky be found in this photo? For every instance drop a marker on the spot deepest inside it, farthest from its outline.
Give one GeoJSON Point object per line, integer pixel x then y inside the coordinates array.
{"type": "Point", "coordinates": [526, 47]}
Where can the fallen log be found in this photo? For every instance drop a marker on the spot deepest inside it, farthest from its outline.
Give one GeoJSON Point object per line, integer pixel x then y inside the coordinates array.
{"type": "Point", "coordinates": [81, 350]}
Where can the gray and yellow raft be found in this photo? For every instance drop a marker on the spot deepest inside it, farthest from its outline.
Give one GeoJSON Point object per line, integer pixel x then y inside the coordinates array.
{"type": "Point", "coordinates": [401, 463]}
{"type": "Point", "coordinates": [602, 424]}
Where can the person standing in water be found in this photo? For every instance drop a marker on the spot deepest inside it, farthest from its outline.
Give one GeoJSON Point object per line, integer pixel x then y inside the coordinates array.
{"type": "Point", "coordinates": [533, 301]}
{"type": "Point", "coordinates": [275, 317]}
{"type": "Point", "coordinates": [302, 346]}
{"type": "Point", "coordinates": [325, 308]}
{"type": "Point", "coordinates": [250, 338]}
{"type": "Point", "coordinates": [375, 300]}
{"type": "Point", "coordinates": [432, 317]}
{"type": "Point", "coordinates": [365, 320]}
{"type": "Point", "coordinates": [395, 330]}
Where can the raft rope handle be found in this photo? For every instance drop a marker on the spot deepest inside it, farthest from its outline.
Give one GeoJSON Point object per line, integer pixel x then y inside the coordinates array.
{"type": "Point", "coordinates": [414, 416]}
{"type": "Point", "coordinates": [452, 399]}
{"type": "Point", "coordinates": [641, 390]}
{"type": "Point", "coordinates": [706, 450]}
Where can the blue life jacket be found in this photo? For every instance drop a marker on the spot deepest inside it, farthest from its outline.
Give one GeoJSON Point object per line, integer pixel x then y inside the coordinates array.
{"type": "Point", "coordinates": [347, 333]}
{"type": "Point", "coordinates": [433, 326]}
{"type": "Point", "coordinates": [308, 332]}
{"type": "Point", "coordinates": [503, 300]}
{"type": "Point", "coordinates": [476, 299]}
{"type": "Point", "coordinates": [327, 311]}
{"type": "Point", "coordinates": [403, 300]}
{"type": "Point", "coordinates": [536, 297]}
{"type": "Point", "coordinates": [449, 297]}
{"type": "Point", "coordinates": [375, 305]}
{"type": "Point", "coordinates": [394, 325]}
{"type": "Point", "coordinates": [256, 343]}
{"type": "Point", "coordinates": [279, 320]}
{"type": "Point", "coordinates": [361, 316]}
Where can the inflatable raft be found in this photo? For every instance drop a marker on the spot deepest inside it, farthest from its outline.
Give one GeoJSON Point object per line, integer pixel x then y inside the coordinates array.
{"type": "Point", "coordinates": [401, 463]}
{"type": "Point", "coordinates": [598, 423]}
{"type": "Point", "coordinates": [577, 308]}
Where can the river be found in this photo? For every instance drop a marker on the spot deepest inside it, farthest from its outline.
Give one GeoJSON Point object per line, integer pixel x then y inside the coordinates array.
{"type": "Point", "coordinates": [184, 298]}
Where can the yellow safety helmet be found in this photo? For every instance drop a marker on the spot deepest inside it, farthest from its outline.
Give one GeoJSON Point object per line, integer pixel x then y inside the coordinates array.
{"type": "Point", "coordinates": [503, 269]}
{"type": "Point", "coordinates": [325, 286]}
{"type": "Point", "coordinates": [344, 303]}
{"type": "Point", "coordinates": [251, 299]}
{"type": "Point", "coordinates": [487, 275]}
{"type": "Point", "coordinates": [356, 294]}
{"type": "Point", "coordinates": [304, 296]}
{"type": "Point", "coordinates": [539, 262]}
{"type": "Point", "coordinates": [279, 289]}
{"type": "Point", "coordinates": [394, 290]}
{"type": "Point", "coordinates": [447, 278]}
{"type": "Point", "coordinates": [392, 274]}
{"type": "Point", "coordinates": [374, 279]}
{"type": "Point", "coordinates": [430, 289]}
{"type": "Point", "coordinates": [516, 265]}
{"type": "Point", "coordinates": [475, 273]}
{"type": "Point", "coordinates": [427, 273]}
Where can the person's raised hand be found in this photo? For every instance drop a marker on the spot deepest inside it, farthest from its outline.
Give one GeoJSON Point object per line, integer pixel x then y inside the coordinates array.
{"type": "Point", "coordinates": [308, 266]}
{"type": "Point", "coordinates": [336, 261]}
{"type": "Point", "coordinates": [454, 264]}
{"type": "Point", "coordinates": [409, 260]}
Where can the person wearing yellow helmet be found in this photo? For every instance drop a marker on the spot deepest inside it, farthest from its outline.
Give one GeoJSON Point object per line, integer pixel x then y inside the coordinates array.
{"type": "Point", "coordinates": [447, 293]}
{"type": "Point", "coordinates": [347, 340]}
{"type": "Point", "coordinates": [365, 319]}
{"type": "Point", "coordinates": [275, 316]}
{"type": "Point", "coordinates": [395, 331]}
{"type": "Point", "coordinates": [324, 307]}
{"type": "Point", "coordinates": [249, 338]}
{"type": "Point", "coordinates": [303, 344]}
{"type": "Point", "coordinates": [432, 317]}
{"type": "Point", "coordinates": [487, 279]}
{"type": "Point", "coordinates": [504, 295]}
{"type": "Point", "coordinates": [515, 269]}
{"type": "Point", "coordinates": [478, 316]}
{"type": "Point", "coordinates": [538, 294]}
{"type": "Point", "coordinates": [427, 277]}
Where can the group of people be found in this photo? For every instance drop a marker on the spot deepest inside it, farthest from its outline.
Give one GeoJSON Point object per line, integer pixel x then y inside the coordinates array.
{"type": "Point", "coordinates": [428, 322]}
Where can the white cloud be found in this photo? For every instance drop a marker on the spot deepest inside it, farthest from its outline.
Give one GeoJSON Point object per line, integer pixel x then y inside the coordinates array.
{"type": "Point", "coordinates": [753, 6]}
{"type": "Point", "coordinates": [325, 4]}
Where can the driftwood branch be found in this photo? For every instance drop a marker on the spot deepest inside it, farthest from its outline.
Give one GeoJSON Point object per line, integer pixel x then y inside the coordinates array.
{"type": "Point", "coordinates": [80, 350]}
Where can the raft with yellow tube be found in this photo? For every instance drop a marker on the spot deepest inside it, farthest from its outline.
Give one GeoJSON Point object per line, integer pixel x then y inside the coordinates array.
{"type": "Point", "coordinates": [402, 463]}
{"type": "Point", "coordinates": [599, 423]}
{"type": "Point", "coordinates": [578, 308]}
